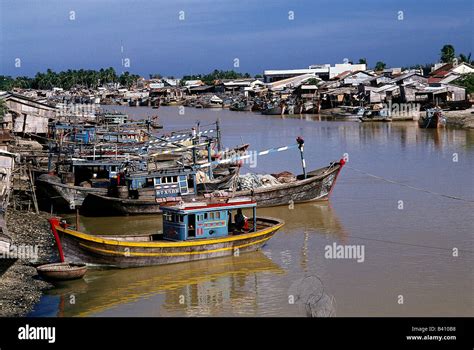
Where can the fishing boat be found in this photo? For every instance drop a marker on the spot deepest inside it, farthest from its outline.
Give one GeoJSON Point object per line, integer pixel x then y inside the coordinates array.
{"type": "Point", "coordinates": [315, 185]}
{"type": "Point", "coordinates": [273, 108]}
{"type": "Point", "coordinates": [432, 119]}
{"type": "Point", "coordinates": [77, 178]}
{"type": "Point", "coordinates": [144, 193]}
{"type": "Point", "coordinates": [349, 112]}
{"type": "Point", "coordinates": [214, 102]}
{"type": "Point", "coordinates": [191, 231]}
{"type": "Point", "coordinates": [241, 106]}
{"type": "Point", "coordinates": [113, 118]}
{"type": "Point", "coordinates": [376, 115]}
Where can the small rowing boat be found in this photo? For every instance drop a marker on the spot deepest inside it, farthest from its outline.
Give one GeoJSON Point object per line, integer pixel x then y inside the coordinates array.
{"type": "Point", "coordinates": [63, 271]}
{"type": "Point", "coordinates": [191, 231]}
{"type": "Point", "coordinates": [432, 119]}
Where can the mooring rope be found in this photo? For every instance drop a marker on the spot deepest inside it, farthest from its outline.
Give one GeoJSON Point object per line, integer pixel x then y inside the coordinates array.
{"type": "Point", "coordinates": [409, 186]}
{"type": "Point", "coordinates": [409, 244]}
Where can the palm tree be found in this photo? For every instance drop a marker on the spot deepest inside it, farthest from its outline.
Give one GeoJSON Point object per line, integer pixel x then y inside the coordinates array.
{"type": "Point", "coordinates": [447, 53]}
{"type": "Point", "coordinates": [464, 58]}
{"type": "Point", "coordinates": [379, 66]}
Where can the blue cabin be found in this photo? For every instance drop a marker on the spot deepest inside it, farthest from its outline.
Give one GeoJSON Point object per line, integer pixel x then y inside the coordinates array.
{"type": "Point", "coordinates": [165, 183]}
{"type": "Point", "coordinates": [83, 134]}
{"type": "Point", "coordinates": [191, 221]}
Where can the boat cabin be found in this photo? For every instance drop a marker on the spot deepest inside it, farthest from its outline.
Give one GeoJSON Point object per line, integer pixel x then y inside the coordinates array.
{"type": "Point", "coordinates": [114, 118]}
{"type": "Point", "coordinates": [192, 221]}
{"type": "Point", "coordinates": [162, 185]}
{"type": "Point", "coordinates": [97, 173]}
{"type": "Point", "coordinates": [82, 134]}
{"type": "Point", "coordinates": [123, 136]}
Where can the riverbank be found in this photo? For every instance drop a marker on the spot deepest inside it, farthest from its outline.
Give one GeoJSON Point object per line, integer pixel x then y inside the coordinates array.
{"type": "Point", "coordinates": [462, 119]}
{"type": "Point", "coordinates": [20, 288]}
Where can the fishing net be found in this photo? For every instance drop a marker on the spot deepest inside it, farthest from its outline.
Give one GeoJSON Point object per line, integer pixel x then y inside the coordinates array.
{"type": "Point", "coordinates": [309, 292]}
{"type": "Point", "coordinates": [252, 181]}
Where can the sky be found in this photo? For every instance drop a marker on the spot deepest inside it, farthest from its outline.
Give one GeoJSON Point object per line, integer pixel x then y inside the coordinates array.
{"type": "Point", "coordinates": [261, 34]}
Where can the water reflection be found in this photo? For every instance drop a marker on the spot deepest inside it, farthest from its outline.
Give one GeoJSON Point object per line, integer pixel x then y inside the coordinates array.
{"type": "Point", "coordinates": [196, 288]}
{"type": "Point", "coordinates": [308, 217]}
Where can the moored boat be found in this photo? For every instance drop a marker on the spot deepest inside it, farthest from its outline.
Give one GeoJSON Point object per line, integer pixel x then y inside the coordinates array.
{"type": "Point", "coordinates": [192, 231]}
{"type": "Point", "coordinates": [317, 185]}
{"type": "Point", "coordinates": [214, 102]}
{"type": "Point", "coordinates": [63, 271]}
{"type": "Point", "coordinates": [63, 196]}
{"type": "Point", "coordinates": [432, 119]}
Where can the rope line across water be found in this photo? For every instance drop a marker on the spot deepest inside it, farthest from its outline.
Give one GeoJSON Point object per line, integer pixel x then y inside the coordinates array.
{"type": "Point", "coordinates": [409, 186]}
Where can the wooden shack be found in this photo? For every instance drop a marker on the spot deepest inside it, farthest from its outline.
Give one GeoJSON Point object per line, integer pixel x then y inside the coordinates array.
{"type": "Point", "coordinates": [28, 115]}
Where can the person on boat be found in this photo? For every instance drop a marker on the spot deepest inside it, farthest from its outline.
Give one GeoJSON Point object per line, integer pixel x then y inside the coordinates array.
{"type": "Point", "coordinates": [240, 220]}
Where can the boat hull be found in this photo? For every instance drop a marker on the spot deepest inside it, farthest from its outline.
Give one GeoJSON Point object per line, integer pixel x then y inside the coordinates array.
{"type": "Point", "coordinates": [375, 119]}
{"type": "Point", "coordinates": [428, 123]}
{"type": "Point", "coordinates": [272, 111]}
{"type": "Point", "coordinates": [125, 253]}
{"type": "Point", "coordinates": [317, 186]}
{"type": "Point", "coordinates": [63, 196]}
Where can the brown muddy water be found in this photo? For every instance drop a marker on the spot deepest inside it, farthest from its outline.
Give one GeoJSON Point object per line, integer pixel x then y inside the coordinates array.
{"type": "Point", "coordinates": [416, 251]}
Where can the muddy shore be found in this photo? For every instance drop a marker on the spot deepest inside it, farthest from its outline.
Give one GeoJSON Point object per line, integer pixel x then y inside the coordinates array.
{"type": "Point", "coordinates": [461, 119]}
{"type": "Point", "coordinates": [20, 286]}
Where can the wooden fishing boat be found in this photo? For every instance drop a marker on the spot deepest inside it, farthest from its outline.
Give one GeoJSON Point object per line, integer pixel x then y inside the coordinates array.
{"type": "Point", "coordinates": [77, 178]}
{"type": "Point", "coordinates": [432, 119]}
{"type": "Point", "coordinates": [317, 185]}
{"type": "Point", "coordinates": [241, 106]}
{"type": "Point", "coordinates": [63, 271]}
{"type": "Point", "coordinates": [375, 119]}
{"type": "Point", "coordinates": [272, 110]}
{"type": "Point", "coordinates": [192, 231]}
{"type": "Point", "coordinates": [375, 115]}
{"type": "Point", "coordinates": [63, 196]}
{"type": "Point", "coordinates": [214, 102]}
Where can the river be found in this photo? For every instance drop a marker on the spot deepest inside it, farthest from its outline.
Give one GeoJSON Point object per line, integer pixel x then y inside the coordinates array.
{"type": "Point", "coordinates": [405, 200]}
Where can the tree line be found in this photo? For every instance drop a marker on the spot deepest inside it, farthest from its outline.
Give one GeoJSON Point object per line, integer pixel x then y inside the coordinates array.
{"type": "Point", "coordinates": [89, 79]}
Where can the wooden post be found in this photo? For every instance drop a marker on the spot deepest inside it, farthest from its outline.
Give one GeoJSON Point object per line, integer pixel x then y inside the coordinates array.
{"type": "Point", "coordinates": [255, 219]}
{"type": "Point", "coordinates": [33, 192]}
{"type": "Point", "coordinates": [77, 218]}
{"type": "Point", "coordinates": [194, 133]}
{"type": "Point", "coordinates": [209, 158]}
{"type": "Point", "coordinates": [218, 131]}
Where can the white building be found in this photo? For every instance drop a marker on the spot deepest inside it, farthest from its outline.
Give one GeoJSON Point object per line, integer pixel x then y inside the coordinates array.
{"type": "Point", "coordinates": [323, 71]}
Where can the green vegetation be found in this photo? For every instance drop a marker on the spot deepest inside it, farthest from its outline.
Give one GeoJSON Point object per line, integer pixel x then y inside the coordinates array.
{"type": "Point", "coordinates": [3, 108]}
{"type": "Point", "coordinates": [379, 66]}
{"type": "Point", "coordinates": [363, 60]}
{"type": "Point", "coordinates": [447, 53]}
{"type": "Point", "coordinates": [467, 82]}
{"type": "Point", "coordinates": [216, 75]}
{"type": "Point", "coordinates": [90, 79]}
{"type": "Point", "coordinates": [466, 59]}
{"type": "Point", "coordinates": [312, 81]}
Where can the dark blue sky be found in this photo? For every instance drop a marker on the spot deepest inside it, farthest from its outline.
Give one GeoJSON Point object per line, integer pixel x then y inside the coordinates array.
{"type": "Point", "coordinates": [214, 32]}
